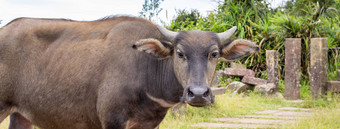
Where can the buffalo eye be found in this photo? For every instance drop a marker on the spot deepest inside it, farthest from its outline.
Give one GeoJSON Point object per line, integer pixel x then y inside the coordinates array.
{"type": "Point", "coordinates": [214, 55]}
{"type": "Point", "coordinates": [180, 55]}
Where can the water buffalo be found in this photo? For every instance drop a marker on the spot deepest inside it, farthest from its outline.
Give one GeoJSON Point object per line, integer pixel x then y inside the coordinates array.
{"type": "Point", "coordinates": [114, 73]}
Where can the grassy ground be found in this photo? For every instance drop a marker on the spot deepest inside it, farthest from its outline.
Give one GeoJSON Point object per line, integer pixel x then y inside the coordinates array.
{"type": "Point", "coordinates": [324, 118]}
{"type": "Point", "coordinates": [4, 124]}
{"type": "Point", "coordinates": [327, 112]}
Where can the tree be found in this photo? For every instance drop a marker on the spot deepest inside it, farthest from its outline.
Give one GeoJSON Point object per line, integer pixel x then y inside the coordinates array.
{"type": "Point", "coordinates": [184, 17]}
{"type": "Point", "coordinates": [151, 9]}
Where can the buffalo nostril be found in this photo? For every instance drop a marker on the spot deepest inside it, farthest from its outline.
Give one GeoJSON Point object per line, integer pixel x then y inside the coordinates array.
{"type": "Point", "coordinates": [206, 94]}
{"type": "Point", "coordinates": [190, 93]}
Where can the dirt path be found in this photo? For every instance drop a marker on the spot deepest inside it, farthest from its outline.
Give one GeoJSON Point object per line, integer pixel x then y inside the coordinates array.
{"type": "Point", "coordinates": [261, 119]}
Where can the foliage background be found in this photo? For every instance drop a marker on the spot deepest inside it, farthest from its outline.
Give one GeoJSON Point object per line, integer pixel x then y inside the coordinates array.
{"type": "Point", "coordinates": [257, 21]}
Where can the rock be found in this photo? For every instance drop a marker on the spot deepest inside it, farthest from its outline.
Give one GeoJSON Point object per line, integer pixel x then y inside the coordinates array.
{"type": "Point", "coordinates": [253, 80]}
{"type": "Point", "coordinates": [278, 95]}
{"type": "Point", "coordinates": [238, 87]}
{"type": "Point", "coordinates": [333, 86]}
{"type": "Point", "coordinates": [265, 89]}
{"type": "Point", "coordinates": [239, 72]}
{"type": "Point", "coordinates": [218, 91]}
{"type": "Point", "coordinates": [217, 78]}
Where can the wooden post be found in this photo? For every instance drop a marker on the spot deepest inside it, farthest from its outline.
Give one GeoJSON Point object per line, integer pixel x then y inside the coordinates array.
{"type": "Point", "coordinates": [292, 68]}
{"type": "Point", "coordinates": [318, 67]}
{"type": "Point", "coordinates": [272, 68]}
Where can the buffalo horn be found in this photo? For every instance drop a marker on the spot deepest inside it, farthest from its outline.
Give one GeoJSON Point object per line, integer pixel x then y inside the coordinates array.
{"type": "Point", "coordinates": [169, 35]}
{"type": "Point", "coordinates": [226, 34]}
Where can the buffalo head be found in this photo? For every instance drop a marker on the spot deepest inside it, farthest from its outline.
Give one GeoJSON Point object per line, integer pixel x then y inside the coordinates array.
{"type": "Point", "coordinates": [195, 56]}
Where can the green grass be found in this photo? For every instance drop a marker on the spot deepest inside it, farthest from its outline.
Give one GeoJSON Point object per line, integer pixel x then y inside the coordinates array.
{"type": "Point", "coordinates": [327, 111]}
{"type": "Point", "coordinates": [228, 105]}
{"type": "Point", "coordinates": [327, 117]}
{"type": "Point", "coordinates": [304, 88]}
{"type": "Point", "coordinates": [4, 124]}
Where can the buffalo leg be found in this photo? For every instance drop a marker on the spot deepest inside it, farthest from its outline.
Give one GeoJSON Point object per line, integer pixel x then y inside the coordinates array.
{"type": "Point", "coordinates": [5, 110]}
{"type": "Point", "coordinates": [17, 121]}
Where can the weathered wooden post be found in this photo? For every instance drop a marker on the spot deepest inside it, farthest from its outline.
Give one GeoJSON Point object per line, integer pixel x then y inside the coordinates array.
{"type": "Point", "coordinates": [318, 67]}
{"type": "Point", "coordinates": [272, 68]}
{"type": "Point", "coordinates": [292, 68]}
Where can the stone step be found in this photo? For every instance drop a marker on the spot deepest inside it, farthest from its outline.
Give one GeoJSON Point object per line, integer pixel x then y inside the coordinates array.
{"type": "Point", "coordinates": [295, 101]}
{"type": "Point", "coordinates": [284, 113]}
{"type": "Point", "coordinates": [271, 117]}
{"type": "Point", "coordinates": [262, 119]}
{"type": "Point", "coordinates": [253, 121]}
{"type": "Point", "coordinates": [228, 125]}
{"type": "Point", "coordinates": [239, 72]}
{"type": "Point", "coordinates": [294, 109]}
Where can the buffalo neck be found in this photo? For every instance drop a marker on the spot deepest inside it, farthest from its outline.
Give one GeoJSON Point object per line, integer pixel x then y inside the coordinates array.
{"type": "Point", "coordinates": [160, 79]}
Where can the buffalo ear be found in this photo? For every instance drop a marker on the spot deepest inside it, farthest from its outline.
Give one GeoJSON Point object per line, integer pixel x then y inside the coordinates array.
{"type": "Point", "coordinates": [238, 48]}
{"type": "Point", "coordinates": [154, 47]}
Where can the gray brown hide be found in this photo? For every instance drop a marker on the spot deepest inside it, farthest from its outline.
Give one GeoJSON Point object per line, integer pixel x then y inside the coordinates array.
{"type": "Point", "coordinates": [114, 73]}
